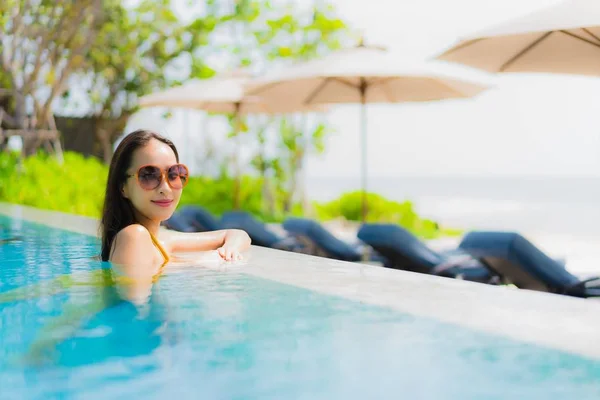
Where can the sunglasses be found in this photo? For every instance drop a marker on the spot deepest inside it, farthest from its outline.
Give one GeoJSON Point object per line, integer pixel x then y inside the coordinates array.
{"type": "Point", "coordinates": [150, 176]}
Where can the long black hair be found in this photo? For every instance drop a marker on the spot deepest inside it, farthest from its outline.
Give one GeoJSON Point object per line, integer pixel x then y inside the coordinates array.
{"type": "Point", "coordinates": [117, 212]}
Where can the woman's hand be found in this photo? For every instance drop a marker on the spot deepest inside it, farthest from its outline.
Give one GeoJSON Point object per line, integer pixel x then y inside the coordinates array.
{"type": "Point", "coordinates": [212, 256]}
{"type": "Point", "coordinates": [228, 253]}
{"type": "Point", "coordinates": [235, 242]}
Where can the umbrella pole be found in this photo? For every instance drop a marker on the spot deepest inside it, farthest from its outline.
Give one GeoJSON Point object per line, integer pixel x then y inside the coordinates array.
{"type": "Point", "coordinates": [186, 130]}
{"type": "Point", "coordinates": [237, 178]}
{"type": "Point", "coordinates": [363, 136]}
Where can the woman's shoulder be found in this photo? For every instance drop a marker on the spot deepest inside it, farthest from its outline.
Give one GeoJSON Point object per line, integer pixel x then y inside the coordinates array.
{"type": "Point", "coordinates": [134, 232]}
{"type": "Point", "coordinates": [134, 238]}
{"type": "Point", "coordinates": [133, 252]}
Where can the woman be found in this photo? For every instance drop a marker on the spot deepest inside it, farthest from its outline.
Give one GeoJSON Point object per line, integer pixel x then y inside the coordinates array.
{"type": "Point", "coordinates": [145, 181]}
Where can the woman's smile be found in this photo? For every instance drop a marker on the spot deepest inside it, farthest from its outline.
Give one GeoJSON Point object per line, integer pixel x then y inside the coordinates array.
{"type": "Point", "coordinates": [163, 202]}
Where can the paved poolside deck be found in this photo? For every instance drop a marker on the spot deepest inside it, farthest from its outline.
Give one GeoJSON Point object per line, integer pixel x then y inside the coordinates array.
{"type": "Point", "coordinates": [559, 322]}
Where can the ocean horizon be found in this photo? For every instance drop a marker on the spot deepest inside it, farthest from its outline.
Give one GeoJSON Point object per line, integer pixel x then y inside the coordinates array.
{"type": "Point", "coordinates": [553, 205]}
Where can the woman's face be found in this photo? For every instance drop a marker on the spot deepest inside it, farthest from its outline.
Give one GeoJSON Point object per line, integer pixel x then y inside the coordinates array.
{"type": "Point", "coordinates": [160, 203]}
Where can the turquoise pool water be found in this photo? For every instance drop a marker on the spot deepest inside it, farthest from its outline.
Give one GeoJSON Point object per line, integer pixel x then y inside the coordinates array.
{"type": "Point", "coordinates": [208, 334]}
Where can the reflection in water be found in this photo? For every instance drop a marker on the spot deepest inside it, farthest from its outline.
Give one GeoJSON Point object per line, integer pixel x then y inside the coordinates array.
{"type": "Point", "coordinates": [10, 239]}
{"type": "Point", "coordinates": [6, 235]}
{"type": "Point", "coordinates": [64, 308]}
{"type": "Point", "coordinates": [120, 329]}
{"type": "Point", "coordinates": [97, 323]}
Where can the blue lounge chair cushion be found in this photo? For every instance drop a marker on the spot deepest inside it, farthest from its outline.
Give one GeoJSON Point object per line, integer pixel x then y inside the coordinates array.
{"type": "Point", "coordinates": [257, 231]}
{"type": "Point", "coordinates": [200, 218]}
{"type": "Point", "coordinates": [335, 247]}
{"type": "Point", "coordinates": [179, 223]}
{"type": "Point", "coordinates": [406, 251]}
{"type": "Point", "coordinates": [514, 248]}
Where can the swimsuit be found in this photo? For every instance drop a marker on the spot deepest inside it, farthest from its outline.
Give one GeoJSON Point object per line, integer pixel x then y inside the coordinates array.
{"type": "Point", "coordinates": [164, 254]}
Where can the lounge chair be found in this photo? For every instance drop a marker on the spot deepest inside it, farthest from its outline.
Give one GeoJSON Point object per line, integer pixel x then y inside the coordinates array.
{"type": "Point", "coordinates": [405, 251]}
{"type": "Point", "coordinates": [520, 262]}
{"type": "Point", "coordinates": [200, 218]}
{"type": "Point", "coordinates": [258, 232]}
{"type": "Point", "coordinates": [192, 219]}
{"type": "Point", "coordinates": [321, 242]}
{"type": "Point", "coordinates": [179, 223]}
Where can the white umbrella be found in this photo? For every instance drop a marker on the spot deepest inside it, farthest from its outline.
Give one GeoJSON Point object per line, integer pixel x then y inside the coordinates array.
{"type": "Point", "coordinates": [564, 38]}
{"type": "Point", "coordinates": [363, 74]}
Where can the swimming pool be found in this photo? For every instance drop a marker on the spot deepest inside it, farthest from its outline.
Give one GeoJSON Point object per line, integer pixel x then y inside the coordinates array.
{"type": "Point", "coordinates": [339, 331]}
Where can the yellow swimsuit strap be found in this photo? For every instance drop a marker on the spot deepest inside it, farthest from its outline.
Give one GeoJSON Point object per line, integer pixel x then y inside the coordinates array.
{"type": "Point", "coordinates": [159, 247]}
{"type": "Point", "coordinates": [162, 251]}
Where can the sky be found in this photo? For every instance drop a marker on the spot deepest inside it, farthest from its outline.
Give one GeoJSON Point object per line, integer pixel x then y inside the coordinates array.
{"type": "Point", "coordinates": [533, 124]}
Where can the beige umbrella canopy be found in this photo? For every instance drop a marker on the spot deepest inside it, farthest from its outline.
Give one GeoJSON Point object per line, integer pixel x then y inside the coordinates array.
{"type": "Point", "coordinates": [363, 74]}
{"type": "Point", "coordinates": [224, 94]}
{"type": "Point", "coordinates": [564, 38]}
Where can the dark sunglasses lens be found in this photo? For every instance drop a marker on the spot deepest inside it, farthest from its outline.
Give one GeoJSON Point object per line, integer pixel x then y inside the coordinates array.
{"type": "Point", "coordinates": [149, 177]}
{"type": "Point", "coordinates": [178, 176]}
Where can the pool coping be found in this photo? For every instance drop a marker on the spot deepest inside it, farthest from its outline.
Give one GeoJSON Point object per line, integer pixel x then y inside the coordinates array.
{"type": "Point", "coordinates": [558, 322]}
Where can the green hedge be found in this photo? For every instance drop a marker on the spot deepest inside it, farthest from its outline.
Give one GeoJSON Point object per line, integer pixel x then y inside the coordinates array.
{"type": "Point", "coordinates": [77, 187]}
{"type": "Point", "coordinates": [381, 210]}
{"type": "Point", "coordinates": [216, 195]}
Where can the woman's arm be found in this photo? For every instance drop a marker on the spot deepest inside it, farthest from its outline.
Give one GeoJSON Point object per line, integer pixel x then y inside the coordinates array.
{"type": "Point", "coordinates": [229, 242]}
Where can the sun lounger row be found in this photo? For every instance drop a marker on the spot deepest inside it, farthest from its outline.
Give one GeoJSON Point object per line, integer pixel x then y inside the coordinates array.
{"type": "Point", "coordinates": [486, 257]}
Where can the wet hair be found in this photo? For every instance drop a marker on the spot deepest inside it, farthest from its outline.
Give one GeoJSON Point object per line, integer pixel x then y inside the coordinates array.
{"type": "Point", "coordinates": [117, 212]}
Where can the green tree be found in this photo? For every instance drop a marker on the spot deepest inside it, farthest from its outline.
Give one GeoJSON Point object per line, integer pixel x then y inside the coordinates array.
{"type": "Point", "coordinates": [42, 43]}
{"type": "Point", "coordinates": [138, 50]}
{"type": "Point", "coordinates": [265, 35]}
{"type": "Point", "coordinates": [97, 56]}
{"type": "Point", "coordinates": [322, 33]}
{"type": "Point", "coordinates": [297, 138]}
